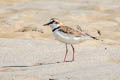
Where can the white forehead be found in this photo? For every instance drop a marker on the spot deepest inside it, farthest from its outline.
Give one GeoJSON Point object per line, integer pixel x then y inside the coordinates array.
{"type": "Point", "coordinates": [51, 20]}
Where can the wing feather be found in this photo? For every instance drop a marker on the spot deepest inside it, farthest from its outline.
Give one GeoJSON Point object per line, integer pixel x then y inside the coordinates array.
{"type": "Point", "coordinates": [71, 31]}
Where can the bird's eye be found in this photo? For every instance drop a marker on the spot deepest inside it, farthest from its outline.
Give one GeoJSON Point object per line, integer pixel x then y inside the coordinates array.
{"type": "Point", "coordinates": [51, 21]}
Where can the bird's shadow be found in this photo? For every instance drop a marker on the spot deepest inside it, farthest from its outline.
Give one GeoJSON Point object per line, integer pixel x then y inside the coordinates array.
{"type": "Point", "coordinates": [38, 64]}
{"type": "Point", "coordinates": [58, 62]}
{"type": "Point", "coordinates": [14, 66]}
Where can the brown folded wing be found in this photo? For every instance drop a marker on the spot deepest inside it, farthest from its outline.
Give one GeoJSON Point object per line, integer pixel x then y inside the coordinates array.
{"type": "Point", "coordinates": [71, 31]}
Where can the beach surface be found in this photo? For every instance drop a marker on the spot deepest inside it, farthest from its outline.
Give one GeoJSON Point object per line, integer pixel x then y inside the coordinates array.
{"type": "Point", "coordinates": [29, 51]}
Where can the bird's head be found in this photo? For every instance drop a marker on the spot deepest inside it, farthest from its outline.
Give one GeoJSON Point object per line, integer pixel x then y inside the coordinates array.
{"type": "Point", "coordinates": [54, 23]}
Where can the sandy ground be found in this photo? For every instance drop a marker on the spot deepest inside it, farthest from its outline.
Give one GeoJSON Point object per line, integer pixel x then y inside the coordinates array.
{"type": "Point", "coordinates": [29, 51]}
{"type": "Point", "coordinates": [38, 60]}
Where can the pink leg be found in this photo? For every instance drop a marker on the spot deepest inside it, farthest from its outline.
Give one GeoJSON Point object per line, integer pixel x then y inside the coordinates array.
{"type": "Point", "coordinates": [66, 53]}
{"type": "Point", "coordinates": [73, 52]}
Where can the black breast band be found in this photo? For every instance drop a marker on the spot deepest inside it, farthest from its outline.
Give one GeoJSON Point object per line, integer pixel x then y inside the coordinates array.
{"type": "Point", "coordinates": [55, 29]}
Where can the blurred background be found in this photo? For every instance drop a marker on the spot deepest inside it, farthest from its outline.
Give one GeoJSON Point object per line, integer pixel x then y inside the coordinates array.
{"type": "Point", "coordinates": [25, 18]}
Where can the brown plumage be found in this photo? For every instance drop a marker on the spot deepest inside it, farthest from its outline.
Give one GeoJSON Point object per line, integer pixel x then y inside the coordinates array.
{"type": "Point", "coordinates": [67, 29]}
{"type": "Point", "coordinates": [70, 31]}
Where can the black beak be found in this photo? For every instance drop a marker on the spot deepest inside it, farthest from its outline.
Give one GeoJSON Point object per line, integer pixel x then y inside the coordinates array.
{"type": "Point", "coordinates": [48, 23]}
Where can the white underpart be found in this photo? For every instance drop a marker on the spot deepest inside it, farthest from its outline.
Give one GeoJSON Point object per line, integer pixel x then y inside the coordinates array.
{"type": "Point", "coordinates": [67, 38]}
{"type": "Point", "coordinates": [70, 39]}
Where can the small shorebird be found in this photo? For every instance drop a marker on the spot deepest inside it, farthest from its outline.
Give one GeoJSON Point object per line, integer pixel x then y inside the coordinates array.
{"type": "Point", "coordinates": [67, 35]}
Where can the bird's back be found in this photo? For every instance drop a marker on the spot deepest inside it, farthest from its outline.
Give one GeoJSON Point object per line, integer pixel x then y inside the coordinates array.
{"type": "Point", "coordinates": [69, 35]}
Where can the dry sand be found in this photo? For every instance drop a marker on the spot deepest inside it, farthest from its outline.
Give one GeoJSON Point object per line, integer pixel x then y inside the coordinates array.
{"type": "Point", "coordinates": [29, 51]}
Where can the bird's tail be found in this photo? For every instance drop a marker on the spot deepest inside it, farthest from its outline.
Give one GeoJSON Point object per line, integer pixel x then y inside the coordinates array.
{"type": "Point", "coordinates": [92, 36]}
{"type": "Point", "coordinates": [95, 38]}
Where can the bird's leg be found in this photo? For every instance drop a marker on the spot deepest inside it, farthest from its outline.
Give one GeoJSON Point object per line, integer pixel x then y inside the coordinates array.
{"type": "Point", "coordinates": [66, 53]}
{"type": "Point", "coordinates": [73, 52]}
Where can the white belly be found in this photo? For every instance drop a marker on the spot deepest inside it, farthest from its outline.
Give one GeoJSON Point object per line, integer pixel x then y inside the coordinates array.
{"type": "Point", "coordinates": [70, 39]}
